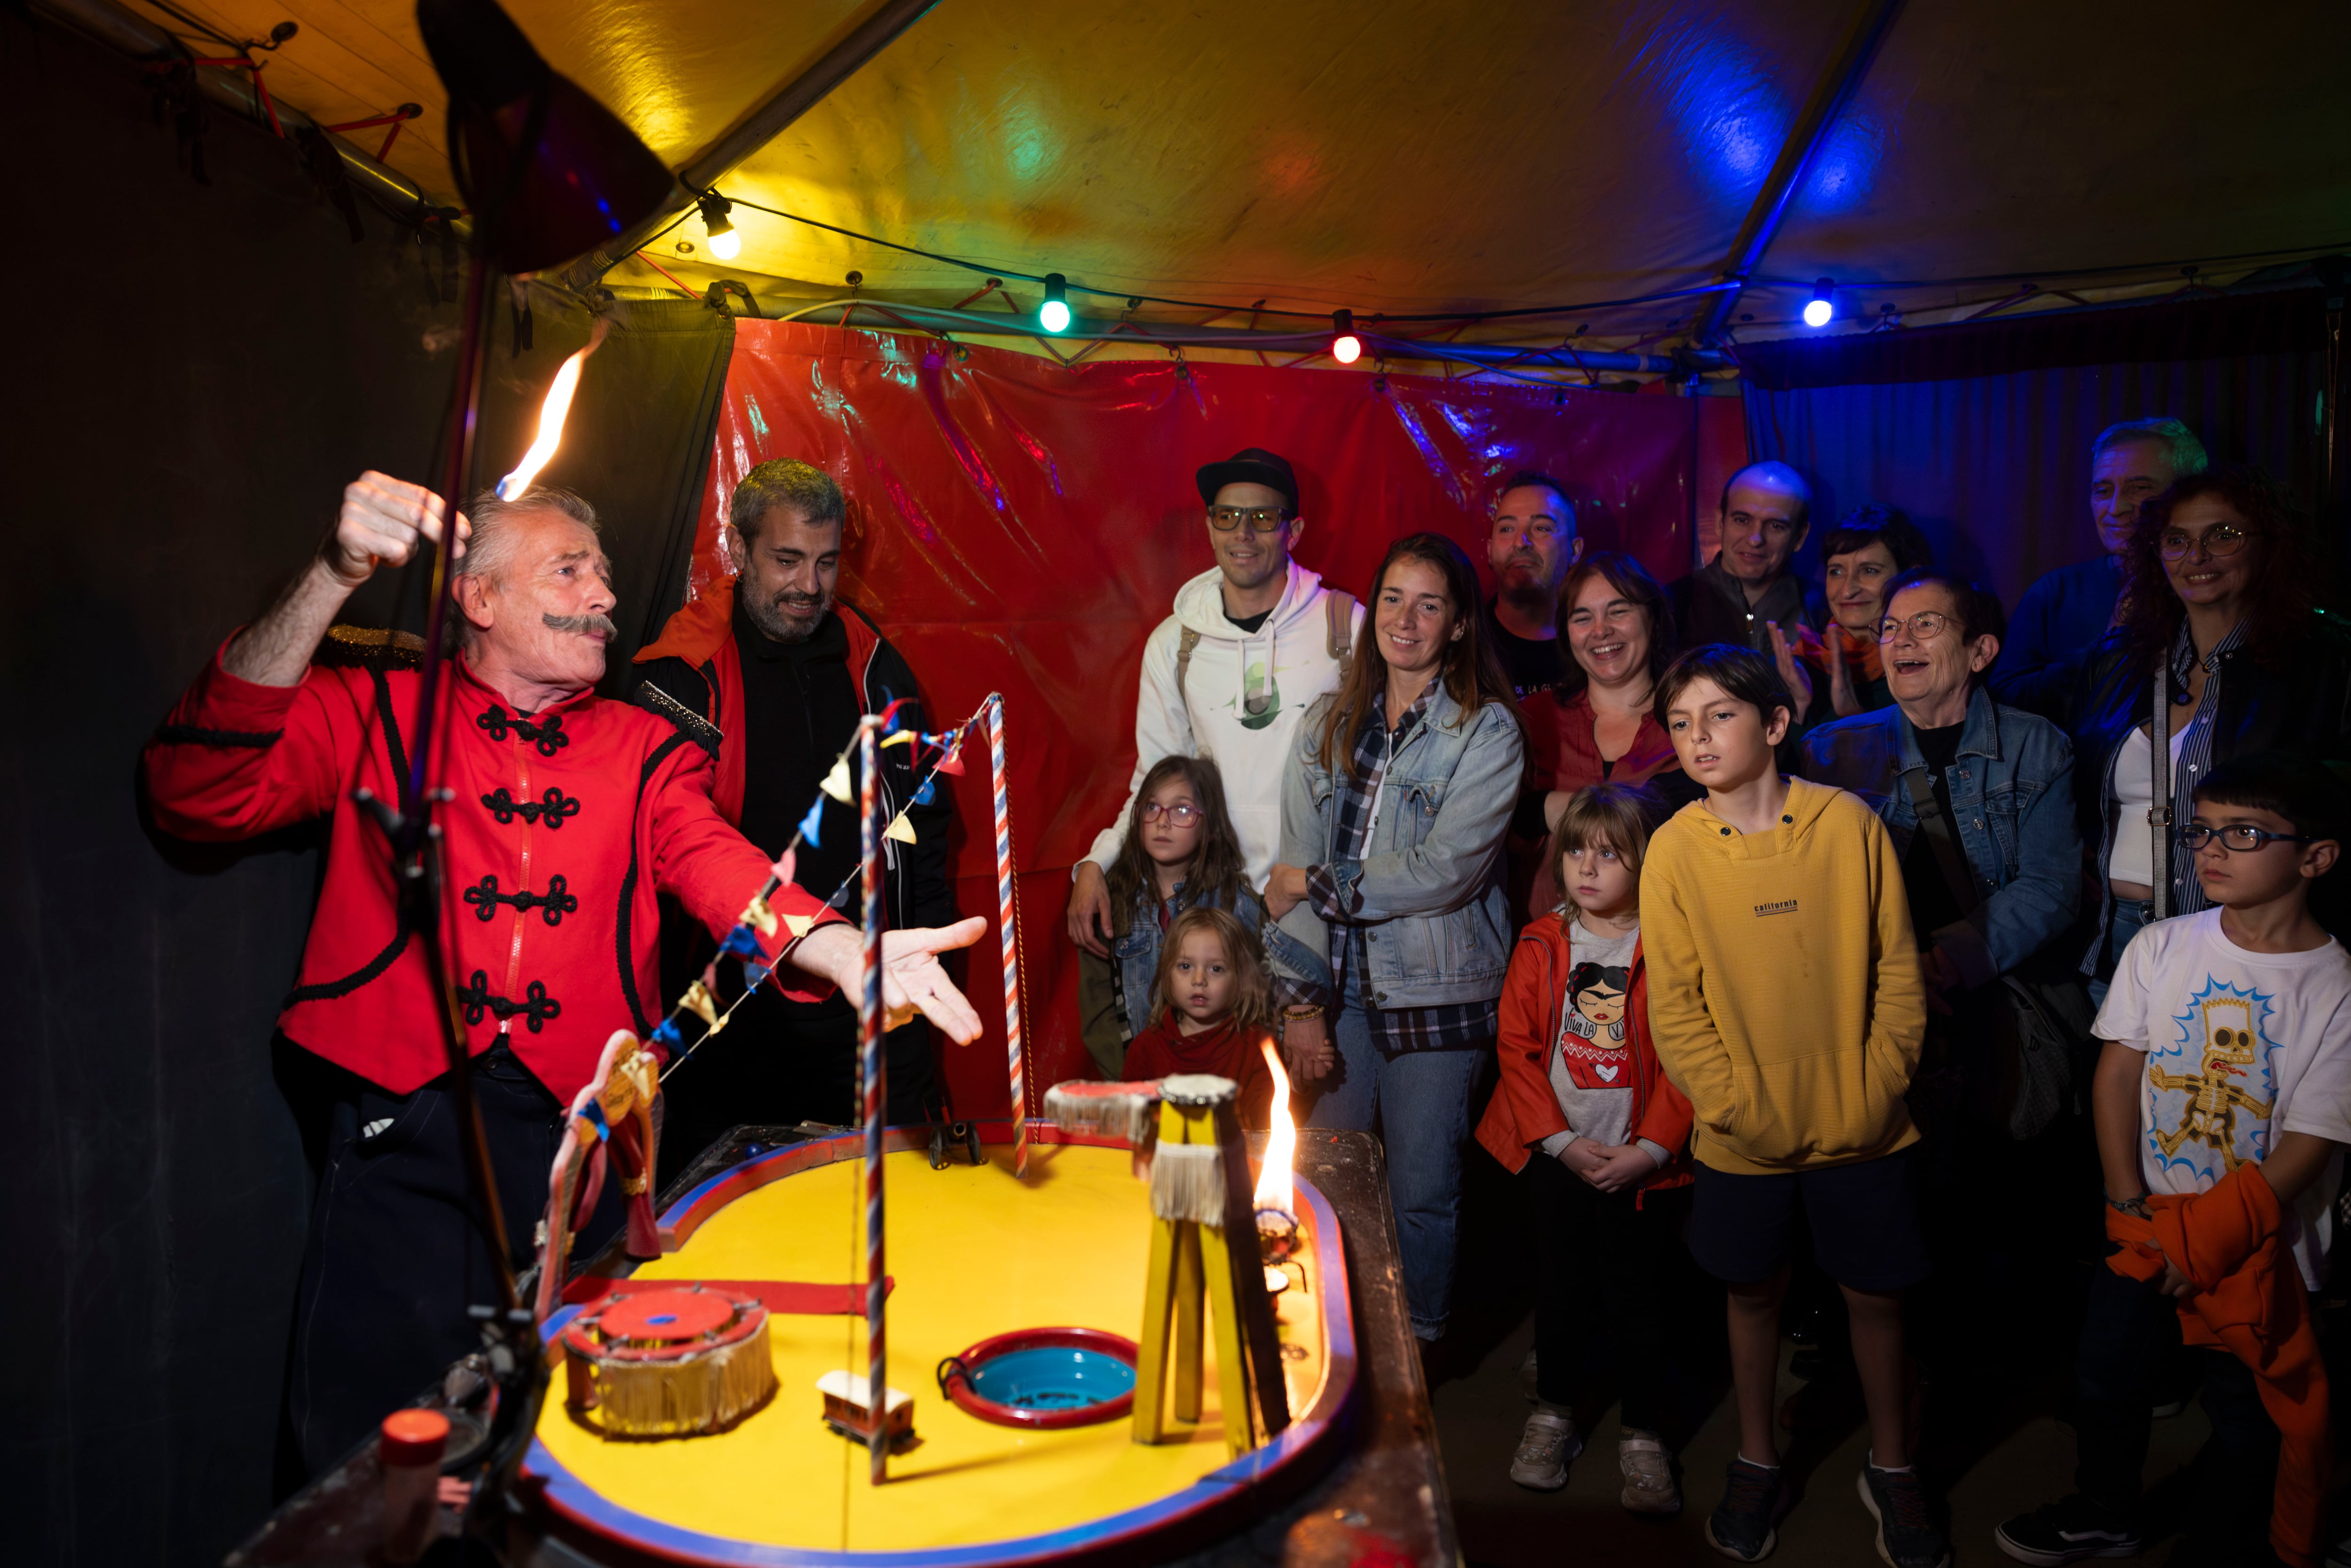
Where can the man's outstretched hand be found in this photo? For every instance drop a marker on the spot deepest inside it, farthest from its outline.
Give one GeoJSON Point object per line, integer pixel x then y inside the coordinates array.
{"type": "Point", "coordinates": [912, 980]}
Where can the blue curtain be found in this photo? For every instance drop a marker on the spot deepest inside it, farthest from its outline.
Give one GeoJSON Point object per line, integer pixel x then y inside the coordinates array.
{"type": "Point", "coordinates": [1994, 468]}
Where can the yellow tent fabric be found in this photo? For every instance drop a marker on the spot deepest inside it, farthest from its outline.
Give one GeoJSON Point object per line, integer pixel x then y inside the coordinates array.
{"type": "Point", "coordinates": [1386, 155]}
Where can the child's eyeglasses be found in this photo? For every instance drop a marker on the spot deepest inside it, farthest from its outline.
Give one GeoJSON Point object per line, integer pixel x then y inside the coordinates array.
{"type": "Point", "coordinates": [2242, 836]}
{"type": "Point", "coordinates": [1183, 814]}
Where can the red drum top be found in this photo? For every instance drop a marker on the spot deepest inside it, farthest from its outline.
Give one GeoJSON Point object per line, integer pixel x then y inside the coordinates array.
{"type": "Point", "coordinates": [665, 1315]}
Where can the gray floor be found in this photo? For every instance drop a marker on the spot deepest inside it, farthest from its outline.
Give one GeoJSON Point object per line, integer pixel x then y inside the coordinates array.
{"type": "Point", "coordinates": [1480, 1411]}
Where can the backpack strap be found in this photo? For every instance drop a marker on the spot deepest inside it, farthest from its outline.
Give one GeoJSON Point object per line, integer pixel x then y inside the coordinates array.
{"type": "Point", "coordinates": [1185, 641]}
{"type": "Point", "coordinates": [1341, 639]}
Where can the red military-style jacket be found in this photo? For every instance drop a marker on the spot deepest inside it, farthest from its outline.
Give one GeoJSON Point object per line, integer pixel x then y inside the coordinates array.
{"type": "Point", "coordinates": [564, 827]}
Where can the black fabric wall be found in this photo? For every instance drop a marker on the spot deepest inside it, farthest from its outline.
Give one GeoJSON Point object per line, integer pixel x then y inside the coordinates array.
{"type": "Point", "coordinates": [1982, 432]}
{"type": "Point", "coordinates": [195, 374]}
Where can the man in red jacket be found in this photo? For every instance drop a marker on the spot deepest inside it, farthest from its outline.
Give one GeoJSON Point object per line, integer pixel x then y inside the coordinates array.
{"type": "Point", "coordinates": [564, 819]}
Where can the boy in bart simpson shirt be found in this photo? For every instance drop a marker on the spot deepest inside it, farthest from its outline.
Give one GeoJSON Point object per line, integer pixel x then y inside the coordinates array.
{"type": "Point", "coordinates": [2223, 1103]}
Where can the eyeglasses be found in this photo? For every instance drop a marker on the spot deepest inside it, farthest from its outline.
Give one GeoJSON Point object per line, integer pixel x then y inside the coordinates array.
{"type": "Point", "coordinates": [1260, 520]}
{"type": "Point", "coordinates": [1925, 626]}
{"type": "Point", "coordinates": [2242, 837]}
{"type": "Point", "coordinates": [1183, 814]}
{"type": "Point", "coordinates": [2223, 539]}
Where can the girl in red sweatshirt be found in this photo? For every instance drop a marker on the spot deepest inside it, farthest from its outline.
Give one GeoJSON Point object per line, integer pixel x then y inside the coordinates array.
{"type": "Point", "coordinates": [1585, 1110]}
{"type": "Point", "coordinates": [1212, 1001]}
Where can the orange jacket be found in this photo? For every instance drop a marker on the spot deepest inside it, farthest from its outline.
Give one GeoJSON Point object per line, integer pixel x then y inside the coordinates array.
{"type": "Point", "coordinates": [2249, 1300]}
{"type": "Point", "coordinates": [1525, 1111]}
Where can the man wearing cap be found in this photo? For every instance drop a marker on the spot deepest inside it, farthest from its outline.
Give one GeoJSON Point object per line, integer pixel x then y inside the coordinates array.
{"type": "Point", "coordinates": [1251, 643]}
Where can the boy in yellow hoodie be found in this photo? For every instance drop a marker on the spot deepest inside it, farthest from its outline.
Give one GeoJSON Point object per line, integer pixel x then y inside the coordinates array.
{"type": "Point", "coordinates": [1785, 1002]}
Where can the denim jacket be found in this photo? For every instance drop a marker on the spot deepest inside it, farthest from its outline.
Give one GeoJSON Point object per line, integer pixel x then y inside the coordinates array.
{"type": "Point", "coordinates": [1433, 913]}
{"type": "Point", "coordinates": [1136, 953]}
{"type": "Point", "coordinates": [2012, 791]}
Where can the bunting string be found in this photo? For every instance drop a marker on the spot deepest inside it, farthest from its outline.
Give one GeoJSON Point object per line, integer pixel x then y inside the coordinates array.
{"type": "Point", "coordinates": [759, 918]}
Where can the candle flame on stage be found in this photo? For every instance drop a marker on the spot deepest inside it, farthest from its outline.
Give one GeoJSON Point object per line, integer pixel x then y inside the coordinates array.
{"type": "Point", "coordinates": [551, 416]}
{"type": "Point", "coordinates": [1273, 1185]}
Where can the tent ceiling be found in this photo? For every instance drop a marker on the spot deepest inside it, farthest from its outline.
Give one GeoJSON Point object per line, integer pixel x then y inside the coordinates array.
{"type": "Point", "coordinates": [1393, 156]}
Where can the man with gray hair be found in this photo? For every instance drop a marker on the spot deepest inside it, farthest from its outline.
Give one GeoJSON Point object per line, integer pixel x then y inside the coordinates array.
{"type": "Point", "coordinates": [2069, 609]}
{"type": "Point", "coordinates": [564, 819]}
{"type": "Point", "coordinates": [772, 677]}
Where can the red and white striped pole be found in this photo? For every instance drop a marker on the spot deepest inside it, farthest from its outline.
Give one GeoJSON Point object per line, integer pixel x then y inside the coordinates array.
{"type": "Point", "coordinates": [875, 1065]}
{"type": "Point", "coordinates": [1007, 927]}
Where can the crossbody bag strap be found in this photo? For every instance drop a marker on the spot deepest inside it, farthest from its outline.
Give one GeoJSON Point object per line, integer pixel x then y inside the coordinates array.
{"type": "Point", "coordinates": [1937, 826]}
{"type": "Point", "coordinates": [2159, 811]}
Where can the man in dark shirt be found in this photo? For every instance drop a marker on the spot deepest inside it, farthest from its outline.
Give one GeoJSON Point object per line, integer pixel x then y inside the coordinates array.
{"type": "Point", "coordinates": [772, 676]}
{"type": "Point", "coordinates": [2070, 608]}
{"type": "Point", "coordinates": [1531, 545]}
{"type": "Point", "coordinates": [1746, 595]}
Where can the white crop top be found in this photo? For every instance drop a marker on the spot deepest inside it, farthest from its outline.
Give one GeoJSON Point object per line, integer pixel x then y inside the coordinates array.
{"type": "Point", "coordinates": [2133, 857]}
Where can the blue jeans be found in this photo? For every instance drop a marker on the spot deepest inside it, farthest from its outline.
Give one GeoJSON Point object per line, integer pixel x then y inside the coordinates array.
{"type": "Point", "coordinates": [1420, 1100]}
{"type": "Point", "coordinates": [2131, 916]}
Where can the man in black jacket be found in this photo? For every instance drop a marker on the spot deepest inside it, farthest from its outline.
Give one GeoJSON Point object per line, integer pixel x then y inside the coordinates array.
{"type": "Point", "coordinates": [772, 677]}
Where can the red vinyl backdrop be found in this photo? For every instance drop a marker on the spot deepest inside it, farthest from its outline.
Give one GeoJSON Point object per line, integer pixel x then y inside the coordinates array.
{"type": "Point", "coordinates": [1019, 526]}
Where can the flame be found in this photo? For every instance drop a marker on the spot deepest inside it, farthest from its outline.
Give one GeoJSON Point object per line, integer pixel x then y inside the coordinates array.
{"type": "Point", "coordinates": [1273, 1185]}
{"type": "Point", "coordinates": [551, 416]}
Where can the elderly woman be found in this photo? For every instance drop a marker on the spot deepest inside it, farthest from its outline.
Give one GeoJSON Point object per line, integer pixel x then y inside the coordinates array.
{"type": "Point", "coordinates": [2220, 592]}
{"type": "Point", "coordinates": [1870, 547]}
{"type": "Point", "coordinates": [1996, 782]}
{"type": "Point", "coordinates": [1393, 812]}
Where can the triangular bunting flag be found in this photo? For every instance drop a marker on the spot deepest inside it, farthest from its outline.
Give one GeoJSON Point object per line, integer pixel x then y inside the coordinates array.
{"type": "Point", "coordinates": [757, 913]}
{"type": "Point", "coordinates": [951, 763]}
{"type": "Point", "coordinates": [900, 829]}
{"type": "Point", "coordinates": [836, 783]}
{"type": "Point", "coordinates": [799, 925]}
{"type": "Point", "coordinates": [809, 824]}
{"type": "Point", "coordinates": [784, 868]}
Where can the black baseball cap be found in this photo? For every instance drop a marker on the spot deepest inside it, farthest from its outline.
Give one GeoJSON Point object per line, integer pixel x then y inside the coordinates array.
{"type": "Point", "coordinates": [1250, 465]}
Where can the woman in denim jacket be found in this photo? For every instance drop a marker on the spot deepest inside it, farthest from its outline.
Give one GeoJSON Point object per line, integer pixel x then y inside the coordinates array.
{"type": "Point", "coordinates": [2009, 777]}
{"type": "Point", "coordinates": [1393, 815]}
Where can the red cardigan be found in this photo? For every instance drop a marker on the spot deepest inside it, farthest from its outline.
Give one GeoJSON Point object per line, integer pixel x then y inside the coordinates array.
{"type": "Point", "coordinates": [1231, 1050]}
{"type": "Point", "coordinates": [1525, 1111]}
{"type": "Point", "coordinates": [563, 830]}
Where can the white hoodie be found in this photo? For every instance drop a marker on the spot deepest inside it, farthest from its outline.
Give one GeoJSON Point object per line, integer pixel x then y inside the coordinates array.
{"type": "Point", "coordinates": [1284, 664]}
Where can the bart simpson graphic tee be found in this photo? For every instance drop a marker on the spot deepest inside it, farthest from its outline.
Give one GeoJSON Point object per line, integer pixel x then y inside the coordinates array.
{"type": "Point", "coordinates": [2240, 1047]}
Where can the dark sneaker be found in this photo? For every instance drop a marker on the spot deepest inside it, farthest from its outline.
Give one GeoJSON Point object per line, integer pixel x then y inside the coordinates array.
{"type": "Point", "coordinates": [1908, 1535]}
{"type": "Point", "coordinates": [2068, 1531]}
{"type": "Point", "coordinates": [1742, 1525]}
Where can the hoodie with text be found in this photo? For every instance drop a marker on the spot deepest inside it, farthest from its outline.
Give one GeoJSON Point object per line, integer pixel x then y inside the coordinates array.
{"type": "Point", "coordinates": [1785, 995]}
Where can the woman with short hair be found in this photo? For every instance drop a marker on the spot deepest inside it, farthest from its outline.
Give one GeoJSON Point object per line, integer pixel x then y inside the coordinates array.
{"type": "Point", "coordinates": [1870, 547]}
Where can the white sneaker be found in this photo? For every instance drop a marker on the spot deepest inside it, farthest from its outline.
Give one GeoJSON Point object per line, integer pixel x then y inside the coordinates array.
{"type": "Point", "coordinates": [1545, 1449]}
{"type": "Point", "coordinates": [1648, 1476]}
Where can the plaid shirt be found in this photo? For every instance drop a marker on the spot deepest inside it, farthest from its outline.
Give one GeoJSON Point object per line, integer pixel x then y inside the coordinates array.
{"type": "Point", "coordinates": [1355, 805]}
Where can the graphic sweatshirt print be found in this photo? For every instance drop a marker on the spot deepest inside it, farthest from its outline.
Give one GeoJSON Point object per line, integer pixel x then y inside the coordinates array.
{"type": "Point", "coordinates": [1242, 697]}
{"type": "Point", "coordinates": [1785, 995]}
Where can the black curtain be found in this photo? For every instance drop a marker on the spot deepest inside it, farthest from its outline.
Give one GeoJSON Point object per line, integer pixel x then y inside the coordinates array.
{"type": "Point", "coordinates": [198, 369]}
{"type": "Point", "coordinates": [1982, 432]}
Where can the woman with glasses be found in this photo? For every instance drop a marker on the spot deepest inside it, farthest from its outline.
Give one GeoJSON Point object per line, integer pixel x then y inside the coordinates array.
{"type": "Point", "coordinates": [2221, 593]}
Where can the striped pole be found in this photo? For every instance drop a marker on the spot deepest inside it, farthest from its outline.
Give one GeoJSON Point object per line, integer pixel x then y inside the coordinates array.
{"type": "Point", "coordinates": [1007, 928]}
{"type": "Point", "coordinates": [876, 1074]}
